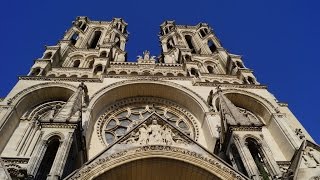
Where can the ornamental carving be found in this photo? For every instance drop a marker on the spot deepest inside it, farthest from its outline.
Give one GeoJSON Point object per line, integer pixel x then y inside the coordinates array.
{"type": "Point", "coordinates": [155, 134]}
{"type": "Point", "coordinates": [45, 111]}
{"type": "Point", "coordinates": [123, 116]}
{"type": "Point", "coordinates": [216, 166]}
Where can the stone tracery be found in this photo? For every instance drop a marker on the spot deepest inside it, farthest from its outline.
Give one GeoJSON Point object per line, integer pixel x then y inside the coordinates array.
{"type": "Point", "coordinates": [114, 124]}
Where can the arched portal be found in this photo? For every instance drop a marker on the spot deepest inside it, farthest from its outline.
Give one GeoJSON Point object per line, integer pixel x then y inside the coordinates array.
{"type": "Point", "coordinates": [157, 168]}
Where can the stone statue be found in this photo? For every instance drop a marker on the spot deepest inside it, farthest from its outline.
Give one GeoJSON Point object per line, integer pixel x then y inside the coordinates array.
{"type": "Point", "coordinates": [156, 133]}
{"type": "Point", "coordinates": [235, 70]}
{"type": "Point", "coordinates": [168, 134]}
{"type": "Point", "coordinates": [146, 55]}
{"type": "Point", "coordinates": [143, 135]}
{"type": "Point", "coordinates": [209, 99]}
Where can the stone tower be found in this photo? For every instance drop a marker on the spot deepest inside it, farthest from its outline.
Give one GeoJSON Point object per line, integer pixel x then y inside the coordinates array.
{"type": "Point", "coordinates": [194, 111]}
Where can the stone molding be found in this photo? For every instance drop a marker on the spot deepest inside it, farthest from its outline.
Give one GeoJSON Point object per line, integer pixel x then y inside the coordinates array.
{"type": "Point", "coordinates": [9, 160]}
{"type": "Point", "coordinates": [100, 92]}
{"type": "Point", "coordinates": [59, 125]}
{"type": "Point", "coordinates": [22, 93]}
{"type": "Point", "coordinates": [215, 84]}
{"type": "Point", "coordinates": [259, 98]}
{"type": "Point", "coordinates": [57, 79]}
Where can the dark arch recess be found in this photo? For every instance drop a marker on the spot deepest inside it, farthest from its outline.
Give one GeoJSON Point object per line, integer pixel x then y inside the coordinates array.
{"type": "Point", "coordinates": [157, 168]}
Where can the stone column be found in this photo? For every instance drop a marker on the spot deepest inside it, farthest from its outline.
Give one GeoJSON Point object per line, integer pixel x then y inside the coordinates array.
{"type": "Point", "coordinates": [35, 160]}
{"type": "Point", "coordinates": [246, 158]}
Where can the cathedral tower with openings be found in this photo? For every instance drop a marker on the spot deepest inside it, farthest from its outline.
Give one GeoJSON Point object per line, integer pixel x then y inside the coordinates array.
{"type": "Point", "coordinates": [195, 111]}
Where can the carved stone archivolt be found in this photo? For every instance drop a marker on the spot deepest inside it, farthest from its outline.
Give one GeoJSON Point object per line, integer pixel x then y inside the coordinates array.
{"type": "Point", "coordinates": [105, 163]}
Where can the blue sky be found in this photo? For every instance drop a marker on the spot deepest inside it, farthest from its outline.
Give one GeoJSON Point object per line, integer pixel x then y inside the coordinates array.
{"type": "Point", "coordinates": [279, 40]}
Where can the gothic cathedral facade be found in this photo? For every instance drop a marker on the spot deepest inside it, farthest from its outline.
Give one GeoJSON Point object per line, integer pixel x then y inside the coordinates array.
{"type": "Point", "coordinates": [193, 112]}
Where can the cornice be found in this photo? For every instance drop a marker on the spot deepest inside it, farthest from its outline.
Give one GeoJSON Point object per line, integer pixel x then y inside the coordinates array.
{"type": "Point", "coordinates": [282, 104]}
{"type": "Point", "coordinates": [214, 84]}
{"type": "Point", "coordinates": [151, 78]}
{"type": "Point", "coordinates": [40, 78]}
{"type": "Point", "coordinates": [72, 69]}
{"type": "Point", "coordinates": [52, 47]}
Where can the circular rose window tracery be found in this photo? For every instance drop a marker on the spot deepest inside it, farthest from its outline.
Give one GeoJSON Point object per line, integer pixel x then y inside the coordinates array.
{"type": "Point", "coordinates": [121, 117]}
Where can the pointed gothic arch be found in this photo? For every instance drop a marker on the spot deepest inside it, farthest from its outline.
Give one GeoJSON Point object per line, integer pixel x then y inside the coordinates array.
{"type": "Point", "coordinates": [52, 146]}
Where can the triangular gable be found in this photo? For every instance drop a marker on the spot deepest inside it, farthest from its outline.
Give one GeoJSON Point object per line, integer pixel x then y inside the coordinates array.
{"type": "Point", "coordinates": [155, 132]}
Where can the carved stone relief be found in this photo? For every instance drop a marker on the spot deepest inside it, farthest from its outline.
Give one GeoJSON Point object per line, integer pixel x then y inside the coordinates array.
{"type": "Point", "coordinates": [154, 134]}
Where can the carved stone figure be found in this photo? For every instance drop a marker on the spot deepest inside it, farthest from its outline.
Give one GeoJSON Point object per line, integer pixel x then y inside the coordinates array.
{"type": "Point", "coordinates": [143, 135]}
{"type": "Point", "coordinates": [146, 55]}
{"type": "Point", "coordinates": [209, 99]}
{"type": "Point", "coordinates": [168, 134]}
{"type": "Point", "coordinates": [156, 133]}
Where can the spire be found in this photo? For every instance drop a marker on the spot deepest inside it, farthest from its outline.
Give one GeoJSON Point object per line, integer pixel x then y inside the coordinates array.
{"type": "Point", "coordinates": [71, 111]}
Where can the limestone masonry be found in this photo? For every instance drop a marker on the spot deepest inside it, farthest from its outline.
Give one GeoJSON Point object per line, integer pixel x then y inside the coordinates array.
{"type": "Point", "coordinates": [193, 112]}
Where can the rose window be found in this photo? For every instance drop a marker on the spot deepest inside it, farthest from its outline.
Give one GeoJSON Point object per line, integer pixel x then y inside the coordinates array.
{"type": "Point", "coordinates": [114, 124]}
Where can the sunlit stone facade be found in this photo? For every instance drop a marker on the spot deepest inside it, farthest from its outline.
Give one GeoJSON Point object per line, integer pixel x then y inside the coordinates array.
{"type": "Point", "coordinates": [85, 111]}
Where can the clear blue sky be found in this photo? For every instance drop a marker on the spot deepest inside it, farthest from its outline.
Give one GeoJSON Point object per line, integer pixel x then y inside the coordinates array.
{"type": "Point", "coordinates": [279, 39]}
